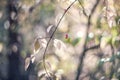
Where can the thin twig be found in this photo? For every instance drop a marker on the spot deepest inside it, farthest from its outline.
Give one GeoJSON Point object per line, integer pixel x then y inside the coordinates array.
{"type": "Point", "coordinates": [81, 58]}
{"type": "Point", "coordinates": [93, 47]}
{"type": "Point", "coordinates": [53, 35]}
{"type": "Point", "coordinates": [82, 8]}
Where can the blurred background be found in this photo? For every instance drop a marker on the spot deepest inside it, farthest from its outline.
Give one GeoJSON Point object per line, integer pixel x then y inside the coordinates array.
{"type": "Point", "coordinates": [85, 46]}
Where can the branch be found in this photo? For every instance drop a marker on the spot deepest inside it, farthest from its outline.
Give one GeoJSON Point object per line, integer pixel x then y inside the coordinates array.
{"type": "Point", "coordinates": [48, 76]}
{"type": "Point", "coordinates": [93, 47]}
{"type": "Point", "coordinates": [83, 8]}
{"type": "Point", "coordinates": [81, 57]}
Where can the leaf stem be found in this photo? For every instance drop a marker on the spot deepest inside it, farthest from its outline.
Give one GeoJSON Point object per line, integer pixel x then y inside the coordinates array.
{"type": "Point", "coordinates": [53, 35]}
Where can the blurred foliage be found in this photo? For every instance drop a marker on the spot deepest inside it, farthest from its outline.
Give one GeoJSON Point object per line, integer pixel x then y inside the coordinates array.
{"type": "Point", "coordinates": [62, 56]}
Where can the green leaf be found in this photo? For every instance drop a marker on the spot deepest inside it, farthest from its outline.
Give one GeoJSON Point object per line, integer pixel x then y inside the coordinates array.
{"type": "Point", "coordinates": [76, 41]}
{"type": "Point", "coordinates": [115, 41]}
{"type": "Point", "coordinates": [68, 40]}
{"type": "Point", "coordinates": [100, 63]}
{"type": "Point", "coordinates": [112, 58]}
{"type": "Point", "coordinates": [114, 32]}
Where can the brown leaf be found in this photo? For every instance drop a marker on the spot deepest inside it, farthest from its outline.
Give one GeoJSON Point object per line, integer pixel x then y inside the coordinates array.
{"type": "Point", "coordinates": [36, 46]}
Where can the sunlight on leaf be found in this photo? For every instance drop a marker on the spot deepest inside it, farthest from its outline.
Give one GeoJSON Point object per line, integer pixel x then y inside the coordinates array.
{"type": "Point", "coordinates": [91, 35]}
{"type": "Point", "coordinates": [32, 58]}
{"type": "Point", "coordinates": [27, 63]}
{"type": "Point", "coordinates": [6, 24]}
{"type": "Point", "coordinates": [58, 44]}
{"type": "Point", "coordinates": [49, 28]}
{"type": "Point", "coordinates": [1, 47]}
{"type": "Point", "coordinates": [43, 42]}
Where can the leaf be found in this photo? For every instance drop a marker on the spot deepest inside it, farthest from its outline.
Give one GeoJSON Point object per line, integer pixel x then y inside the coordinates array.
{"type": "Point", "coordinates": [112, 58]}
{"type": "Point", "coordinates": [58, 44]}
{"type": "Point", "coordinates": [100, 63]}
{"type": "Point", "coordinates": [68, 40]}
{"type": "Point", "coordinates": [41, 74]}
{"type": "Point", "coordinates": [13, 14]}
{"type": "Point", "coordinates": [76, 41]}
{"type": "Point", "coordinates": [114, 32]}
{"type": "Point", "coordinates": [27, 62]}
{"type": "Point", "coordinates": [43, 42]}
{"type": "Point", "coordinates": [33, 58]}
{"type": "Point", "coordinates": [6, 24]}
{"type": "Point", "coordinates": [118, 55]}
{"type": "Point", "coordinates": [49, 28]}
{"type": "Point", "coordinates": [36, 46]}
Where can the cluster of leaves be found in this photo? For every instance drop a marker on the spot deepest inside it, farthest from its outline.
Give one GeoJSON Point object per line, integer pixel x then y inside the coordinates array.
{"type": "Point", "coordinates": [41, 44]}
{"type": "Point", "coordinates": [109, 37]}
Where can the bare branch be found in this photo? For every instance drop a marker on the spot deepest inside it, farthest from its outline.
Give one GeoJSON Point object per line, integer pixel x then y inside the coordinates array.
{"type": "Point", "coordinates": [93, 47]}
{"type": "Point", "coordinates": [81, 57]}
{"type": "Point", "coordinates": [82, 8]}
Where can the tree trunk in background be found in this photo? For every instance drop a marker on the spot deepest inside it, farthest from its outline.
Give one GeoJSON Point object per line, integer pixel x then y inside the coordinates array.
{"type": "Point", "coordinates": [15, 71]}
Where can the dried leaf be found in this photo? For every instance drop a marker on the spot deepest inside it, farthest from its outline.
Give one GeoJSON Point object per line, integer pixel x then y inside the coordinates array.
{"type": "Point", "coordinates": [36, 46]}
{"type": "Point", "coordinates": [27, 62]}
{"type": "Point", "coordinates": [43, 42]}
{"type": "Point", "coordinates": [41, 74]}
{"type": "Point", "coordinates": [58, 44]}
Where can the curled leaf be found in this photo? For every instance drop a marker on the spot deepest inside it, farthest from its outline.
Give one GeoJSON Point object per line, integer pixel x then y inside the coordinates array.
{"type": "Point", "coordinates": [36, 46]}
{"type": "Point", "coordinates": [27, 63]}
{"type": "Point", "coordinates": [49, 28]}
{"type": "Point", "coordinates": [32, 58]}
